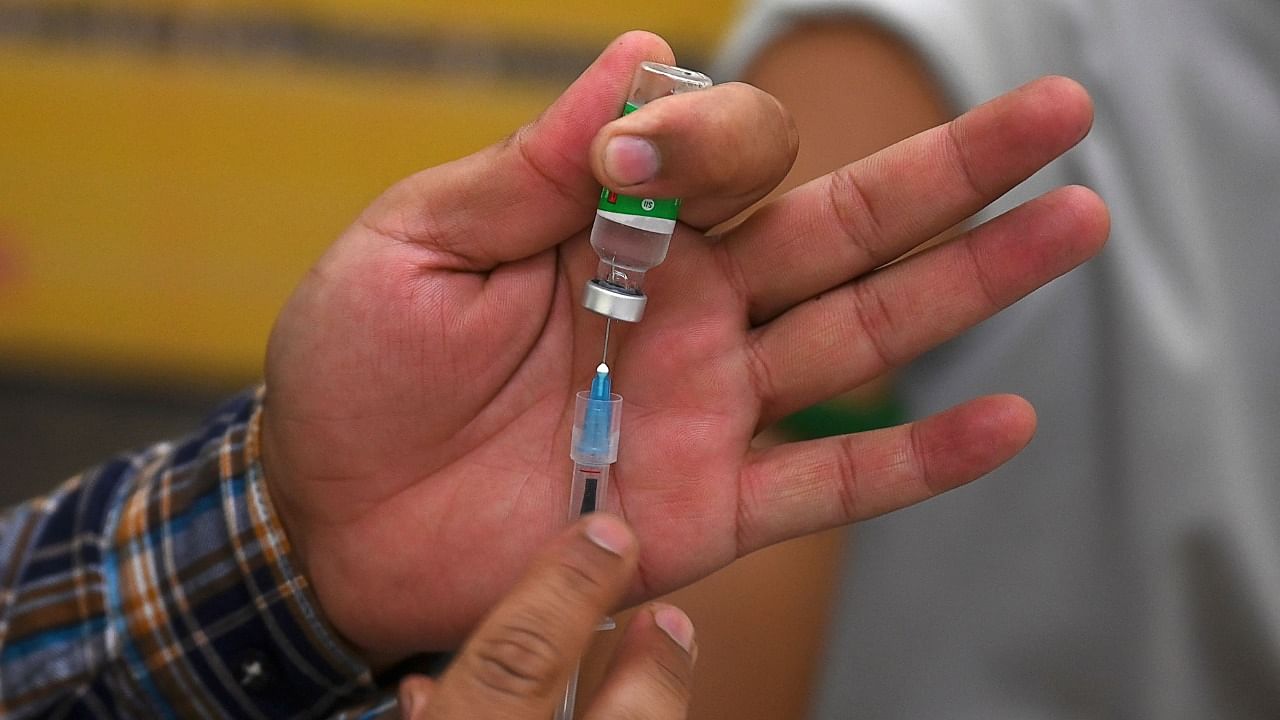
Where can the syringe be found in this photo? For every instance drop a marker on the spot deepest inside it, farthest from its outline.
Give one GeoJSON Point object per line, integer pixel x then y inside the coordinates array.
{"type": "Point", "coordinates": [596, 420]}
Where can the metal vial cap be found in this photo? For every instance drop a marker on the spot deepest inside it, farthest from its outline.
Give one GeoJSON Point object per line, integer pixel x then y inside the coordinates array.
{"type": "Point", "coordinates": [611, 302]}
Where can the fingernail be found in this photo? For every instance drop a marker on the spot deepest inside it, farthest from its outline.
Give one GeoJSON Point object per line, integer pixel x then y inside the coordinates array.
{"type": "Point", "coordinates": [676, 624]}
{"type": "Point", "coordinates": [609, 533]}
{"type": "Point", "coordinates": [630, 160]}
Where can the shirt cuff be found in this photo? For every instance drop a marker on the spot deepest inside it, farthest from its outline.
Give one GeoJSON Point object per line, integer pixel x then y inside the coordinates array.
{"type": "Point", "coordinates": [215, 617]}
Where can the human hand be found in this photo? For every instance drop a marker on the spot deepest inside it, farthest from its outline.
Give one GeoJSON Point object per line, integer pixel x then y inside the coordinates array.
{"type": "Point", "coordinates": [421, 379]}
{"type": "Point", "coordinates": [518, 661]}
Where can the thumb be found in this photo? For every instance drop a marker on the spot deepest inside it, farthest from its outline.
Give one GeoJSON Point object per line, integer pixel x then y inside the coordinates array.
{"type": "Point", "coordinates": [527, 193]}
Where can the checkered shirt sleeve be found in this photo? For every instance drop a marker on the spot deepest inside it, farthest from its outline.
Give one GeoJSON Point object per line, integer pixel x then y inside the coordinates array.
{"type": "Point", "coordinates": [160, 584]}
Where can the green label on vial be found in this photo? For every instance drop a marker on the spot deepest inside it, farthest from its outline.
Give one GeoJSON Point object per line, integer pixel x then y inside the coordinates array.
{"type": "Point", "coordinates": [652, 214]}
{"type": "Point", "coordinates": [643, 207]}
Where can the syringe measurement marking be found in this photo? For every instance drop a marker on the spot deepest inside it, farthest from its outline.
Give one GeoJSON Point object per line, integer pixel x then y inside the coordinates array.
{"type": "Point", "coordinates": [589, 490]}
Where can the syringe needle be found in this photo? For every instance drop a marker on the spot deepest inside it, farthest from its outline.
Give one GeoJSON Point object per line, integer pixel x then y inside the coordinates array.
{"type": "Point", "coordinates": [604, 356]}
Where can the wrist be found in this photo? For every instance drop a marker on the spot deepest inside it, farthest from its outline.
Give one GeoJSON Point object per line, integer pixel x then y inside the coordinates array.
{"type": "Point", "coordinates": [265, 444]}
{"type": "Point", "coordinates": [290, 518]}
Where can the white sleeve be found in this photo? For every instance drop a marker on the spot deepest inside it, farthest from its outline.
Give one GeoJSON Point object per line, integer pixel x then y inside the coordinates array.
{"type": "Point", "coordinates": [972, 48]}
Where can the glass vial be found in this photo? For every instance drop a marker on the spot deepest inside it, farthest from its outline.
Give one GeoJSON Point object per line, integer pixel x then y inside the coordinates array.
{"type": "Point", "coordinates": [631, 234]}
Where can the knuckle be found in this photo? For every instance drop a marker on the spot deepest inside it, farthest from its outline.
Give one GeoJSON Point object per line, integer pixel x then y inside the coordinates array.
{"type": "Point", "coordinates": [789, 127]}
{"type": "Point", "coordinates": [776, 119]}
{"type": "Point", "coordinates": [664, 690]}
{"type": "Point", "coordinates": [718, 158]}
{"type": "Point", "coordinates": [847, 472]}
{"type": "Point", "coordinates": [876, 320]}
{"type": "Point", "coordinates": [956, 149]}
{"type": "Point", "coordinates": [762, 374]}
{"type": "Point", "coordinates": [674, 677]}
{"type": "Point", "coordinates": [582, 577]}
{"type": "Point", "coordinates": [855, 216]}
{"type": "Point", "coordinates": [917, 458]}
{"type": "Point", "coordinates": [520, 661]}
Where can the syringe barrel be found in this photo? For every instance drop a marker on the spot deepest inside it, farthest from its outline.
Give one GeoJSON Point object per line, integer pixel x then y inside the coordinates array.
{"type": "Point", "coordinates": [589, 489]}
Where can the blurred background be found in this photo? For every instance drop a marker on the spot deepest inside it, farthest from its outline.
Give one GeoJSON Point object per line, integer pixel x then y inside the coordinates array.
{"type": "Point", "coordinates": [170, 168]}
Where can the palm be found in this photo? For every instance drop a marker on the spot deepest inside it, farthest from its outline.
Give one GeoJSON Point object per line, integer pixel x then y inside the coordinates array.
{"type": "Point", "coordinates": [420, 475]}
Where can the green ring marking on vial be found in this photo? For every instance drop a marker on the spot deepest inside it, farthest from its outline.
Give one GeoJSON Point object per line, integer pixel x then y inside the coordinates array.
{"type": "Point", "coordinates": [652, 214]}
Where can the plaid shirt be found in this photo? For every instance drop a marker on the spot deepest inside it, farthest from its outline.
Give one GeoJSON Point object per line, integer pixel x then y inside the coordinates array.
{"type": "Point", "coordinates": [160, 585]}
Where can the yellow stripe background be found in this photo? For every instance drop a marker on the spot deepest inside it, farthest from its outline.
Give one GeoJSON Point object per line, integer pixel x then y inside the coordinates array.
{"type": "Point", "coordinates": [158, 208]}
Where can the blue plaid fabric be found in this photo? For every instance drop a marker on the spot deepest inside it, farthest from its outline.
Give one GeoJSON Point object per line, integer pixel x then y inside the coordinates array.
{"type": "Point", "coordinates": [160, 585]}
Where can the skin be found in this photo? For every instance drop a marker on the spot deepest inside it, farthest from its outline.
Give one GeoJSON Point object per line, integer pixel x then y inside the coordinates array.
{"type": "Point", "coordinates": [883, 94]}
{"type": "Point", "coordinates": [420, 379]}
{"type": "Point", "coordinates": [519, 659]}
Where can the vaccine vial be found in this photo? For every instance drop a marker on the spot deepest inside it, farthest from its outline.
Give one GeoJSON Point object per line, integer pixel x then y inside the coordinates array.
{"type": "Point", "coordinates": [631, 234]}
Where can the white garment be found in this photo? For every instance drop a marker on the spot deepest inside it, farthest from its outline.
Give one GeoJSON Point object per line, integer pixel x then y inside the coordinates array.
{"type": "Point", "coordinates": [1127, 564]}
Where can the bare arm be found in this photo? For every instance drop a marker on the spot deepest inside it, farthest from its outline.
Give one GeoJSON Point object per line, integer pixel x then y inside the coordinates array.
{"type": "Point", "coordinates": [852, 89]}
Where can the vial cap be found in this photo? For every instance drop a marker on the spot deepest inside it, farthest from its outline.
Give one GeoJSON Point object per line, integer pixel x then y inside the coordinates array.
{"type": "Point", "coordinates": [610, 302]}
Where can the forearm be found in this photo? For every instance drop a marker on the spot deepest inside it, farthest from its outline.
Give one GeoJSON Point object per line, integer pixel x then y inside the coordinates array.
{"type": "Point", "coordinates": [160, 584]}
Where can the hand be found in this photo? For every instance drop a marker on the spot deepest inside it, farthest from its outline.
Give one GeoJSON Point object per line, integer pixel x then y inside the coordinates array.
{"type": "Point", "coordinates": [517, 663]}
{"type": "Point", "coordinates": [420, 380]}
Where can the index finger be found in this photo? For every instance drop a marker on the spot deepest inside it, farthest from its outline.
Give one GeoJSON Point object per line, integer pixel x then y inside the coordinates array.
{"type": "Point", "coordinates": [517, 663]}
{"type": "Point", "coordinates": [526, 193]}
{"type": "Point", "coordinates": [866, 214]}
